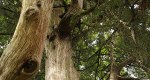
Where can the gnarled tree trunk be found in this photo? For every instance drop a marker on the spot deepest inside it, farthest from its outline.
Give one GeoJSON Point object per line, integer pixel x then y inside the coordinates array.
{"type": "Point", "coordinates": [21, 59]}
{"type": "Point", "coordinates": [59, 64]}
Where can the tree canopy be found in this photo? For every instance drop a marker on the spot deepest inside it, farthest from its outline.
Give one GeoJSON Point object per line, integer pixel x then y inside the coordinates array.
{"type": "Point", "coordinates": [108, 31]}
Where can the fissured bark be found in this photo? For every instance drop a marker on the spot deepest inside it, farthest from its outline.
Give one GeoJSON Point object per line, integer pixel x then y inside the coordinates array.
{"type": "Point", "coordinates": [21, 59]}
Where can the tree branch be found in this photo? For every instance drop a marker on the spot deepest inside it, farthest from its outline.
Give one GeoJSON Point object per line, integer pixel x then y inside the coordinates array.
{"type": "Point", "coordinates": [124, 63]}
{"type": "Point", "coordinates": [86, 12]}
{"type": "Point", "coordinates": [1, 33]}
{"type": "Point", "coordinates": [99, 51]}
{"type": "Point", "coordinates": [104, 43]}
{"type": "Point", "coordinates": [127, 78]}
{"type": "Point", "coordinates": [146, 69]}
{"type": "Point", "coordinates": [81, 14]}
{"type": "Point", "coordinates": [88, 66]}
{"type": "Point", "coordinates": [7, 9]}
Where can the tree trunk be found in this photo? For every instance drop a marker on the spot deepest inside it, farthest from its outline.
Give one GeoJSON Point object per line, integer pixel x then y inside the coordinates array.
{"type": "Point", "coordinates": [59, 64]}
{"type": "Point", "coordinates": [114, 72]}
{"type": "Point", "coordinates": [22, 57]}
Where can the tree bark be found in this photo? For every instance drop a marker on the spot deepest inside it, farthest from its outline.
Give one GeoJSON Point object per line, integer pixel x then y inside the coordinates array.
{"type": "Point", "coordinates": [59, 64]}
{"type": "Point", "coordinates": [22, 57]}
{"type": "Point", "coordinates": [114, 72]}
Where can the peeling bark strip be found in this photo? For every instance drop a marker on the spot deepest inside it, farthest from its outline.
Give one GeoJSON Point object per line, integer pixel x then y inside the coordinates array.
{"type": "Point", "coordinates": [22, 57]}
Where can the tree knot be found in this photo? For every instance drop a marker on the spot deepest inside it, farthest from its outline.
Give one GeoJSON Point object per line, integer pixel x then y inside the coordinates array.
{"type": "Point", "coordinates": [32, 12]}
{"type": "Point", "coordinates": [29, 67]}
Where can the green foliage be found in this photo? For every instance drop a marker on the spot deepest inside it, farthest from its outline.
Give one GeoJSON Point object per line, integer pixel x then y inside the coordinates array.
{"type": "Point", "coordinates": [67, 1]}
{"type": "Point", "coordinates": [3, 42]}
{"type": "Point", "coordinates": [41, 74]}
{"type": "Point", "coordinates": [98, 26]}
{"type": "Point", "coordinates": [92, 37]}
